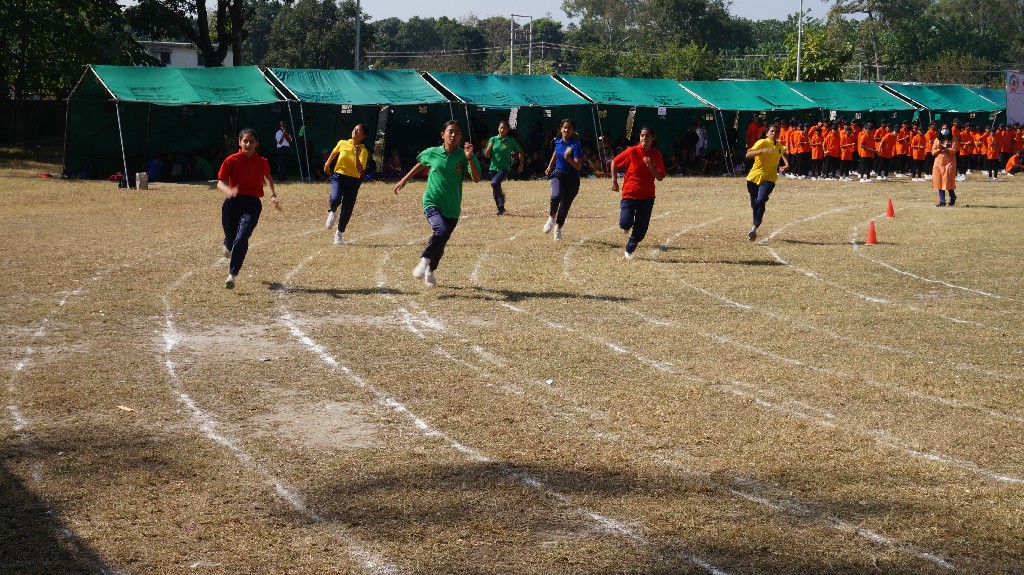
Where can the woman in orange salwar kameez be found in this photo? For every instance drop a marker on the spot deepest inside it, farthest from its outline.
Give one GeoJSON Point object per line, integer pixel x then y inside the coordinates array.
{"type": "Point", "coordinates": [945, 148]}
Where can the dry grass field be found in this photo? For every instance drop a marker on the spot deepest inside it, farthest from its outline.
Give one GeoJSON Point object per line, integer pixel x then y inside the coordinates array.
{"type": "Point", "coordinates": [802, 404]}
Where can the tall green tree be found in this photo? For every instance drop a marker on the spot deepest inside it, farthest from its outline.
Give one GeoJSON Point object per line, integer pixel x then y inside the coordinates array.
{"type": "Point", "coordinates": [46, 43]}
{"type": "Point", "coordinates": [678, 22]}
{"type": "Point", "coordinates": [613, 22]}
{"type": "Point", "coordinates": [315, 34]}
{"type": "Point", "coordinates": [822, 57]}
{"type": "Point", "coordinates": [690, 62]}
{"type": "Point", "coordinates": [190, 19]}
{"type": "Point", "coordinates": [258, 24]}
{"type": "Point", "coordinates": [879, 16]}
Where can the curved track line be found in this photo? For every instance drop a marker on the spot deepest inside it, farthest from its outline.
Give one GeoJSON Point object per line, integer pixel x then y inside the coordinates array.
{"type": "Point", "coordinates": [856, 250]}
{"type": "Point", "coordinates": [371, 562]}
{"type": "Point", "coordinates": [606, 524]}
{"type": "Point", "coordinates": [788, 507]}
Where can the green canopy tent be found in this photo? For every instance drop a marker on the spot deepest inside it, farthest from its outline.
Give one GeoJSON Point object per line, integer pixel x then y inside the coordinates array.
{"type": "Point", "coordinates": [856, 100]}
{"type": "Point", "coordinates": [750, 98]}
{"type": "Point", "coordinates": [947, 101]}
{"type": "Point", "coordinates": [401, 110]}
{"type": "Point", "coordinates": [523, 100]}
{"type": "Point", "coordinates": [632, 102]}
{"type": "Point", "coordinates": [997, 97]}
{"type": "Point", "coordinates": [120, 116]}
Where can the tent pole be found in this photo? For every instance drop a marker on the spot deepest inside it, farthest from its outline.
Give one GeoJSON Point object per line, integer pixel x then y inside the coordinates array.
{"type": "Point", "coordinates": [594, 113]}
{"type": "Point", "coordinates": [469, 126]}
{"type": "Point", "coordinates": [305, 138]}
{"type": "Point", "coordinates": [145, 144]}
{"type": "Point", "coordinates": [298, 158]}
{"type": "Point", "coordinates": [67, 130]}
{"type": "Point", "coordinates": [726, 145]}
{"type": "Point", "coordinates": [120, 132]}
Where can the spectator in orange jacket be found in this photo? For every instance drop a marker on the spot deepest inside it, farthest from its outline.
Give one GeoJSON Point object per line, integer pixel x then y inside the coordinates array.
{"type": "Point", "coordinates": [918, 142]}
{"type": "Point", "coordinates": [966, 149]}
{"type": "Point", "coordinates": [866, 149]}
{"type": "Point", "coordinates": [901, 162]}
{"type": "Point", "coordinates": [830, 146]}
{"type": "Point", "coordinates": [1005, 144]}
{"type": "Point", "coordinates": [886, 153]}
{"type": "Point", "coordinates": [802, 148]}
{"type": "Point", "coordinates": [1015, 164]}
{"type": "Point", "coordinates": [816, 139]}
{"type": "Point", "coordinates": [980, 152]}
{"type": "Point", "coordinates": [929, 137]}
{"type": "Point", "coordinates": [993, 149]}
{"type": "Point", "coordinates": [847, 145]}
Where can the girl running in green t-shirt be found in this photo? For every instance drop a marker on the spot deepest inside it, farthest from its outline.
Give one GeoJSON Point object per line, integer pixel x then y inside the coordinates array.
{"type": "Point", "coordinates": [500, 149]}
{"type": "Point", "coordinates": [442, 200]}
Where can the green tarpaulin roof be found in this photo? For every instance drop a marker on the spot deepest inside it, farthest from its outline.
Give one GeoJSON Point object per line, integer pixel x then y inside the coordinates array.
{"type": "Point", "coordinates": [851, 96]}
{"type": "Point", "coordinates": [359, 87]}
{"type": "Point", "coordinates": [507, 91]}
{"type": "Point", "coordinates": [749, 96]}
{"type": "Point", "coordinates": [238, 86]}
{"type": "Point", "coordinates": [634, 91]}
{"type": "Point", "coordinates": [996, 96]}
{"type": "Point", "coordinates": [944, 98]}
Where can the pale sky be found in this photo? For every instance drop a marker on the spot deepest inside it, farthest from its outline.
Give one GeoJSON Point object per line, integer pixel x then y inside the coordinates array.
{"type": "Point", "coordinates": [405, 9]}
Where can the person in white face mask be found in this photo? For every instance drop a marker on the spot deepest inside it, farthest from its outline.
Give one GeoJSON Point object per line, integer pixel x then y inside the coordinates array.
{"type": "Point", "coordinates": [945, 149]}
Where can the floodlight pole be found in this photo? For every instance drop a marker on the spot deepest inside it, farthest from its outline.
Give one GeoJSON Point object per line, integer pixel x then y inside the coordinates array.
{"type": "Point", "coordinates": [799, 38]}
{"type": "Point", "coordinates": [511, 42]}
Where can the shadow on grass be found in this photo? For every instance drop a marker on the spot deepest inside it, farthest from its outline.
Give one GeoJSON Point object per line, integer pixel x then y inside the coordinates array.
{"type": "Point", "coordinates": [335, 293]}
{"type": "Point", "coordinates": [514, 296]}
{"type": "Point", "coordinates": [770, 263]}
{"type": "Point", "coordinates": [810, 243]}
{"type": "Point", "coordinates": [405, 504]}
{"type": "Point", "coordinates": [32, 540]}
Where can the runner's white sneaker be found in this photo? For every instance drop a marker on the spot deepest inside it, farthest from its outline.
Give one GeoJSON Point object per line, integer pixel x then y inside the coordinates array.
{"type": "Point", "coordinates": [548, 224]}
{"type": "Point", "coordinates": [337, 239]}
{"type": "Point", "coordinates": [629, 255]}
{"type": "Point", "coordinates": [421, 268]}
{"type": "Point", "coordinates": [752, 234]}
{"type": "Point", "coordinates": [558, 233]}
{"type": "Point", "coordinates": [429, 279]}
{"type": "Point", "coordinates": [330, 219]}
{"type": "Point", "coordinates": [230, 282]}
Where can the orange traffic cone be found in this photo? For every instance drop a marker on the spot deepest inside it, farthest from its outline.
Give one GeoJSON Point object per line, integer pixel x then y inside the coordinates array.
{"type": "Point", "coordinates": [889, 212]}
{"type": "Point", "coordinates": [872, 240]}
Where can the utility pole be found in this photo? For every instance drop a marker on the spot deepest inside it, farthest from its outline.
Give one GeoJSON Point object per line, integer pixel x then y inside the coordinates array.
{"type": "Point", "coordinates": [359, 22]}
{"type": "Point", "coordinates": [799, 39]}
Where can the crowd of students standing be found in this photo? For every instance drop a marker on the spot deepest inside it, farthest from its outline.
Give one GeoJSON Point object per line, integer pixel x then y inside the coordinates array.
{"type": "Point", "coordinates": [841, 150]}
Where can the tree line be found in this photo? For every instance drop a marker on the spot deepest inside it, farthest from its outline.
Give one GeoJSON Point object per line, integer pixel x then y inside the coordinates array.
{"type": "Point", "coordinates": [943, 41]}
